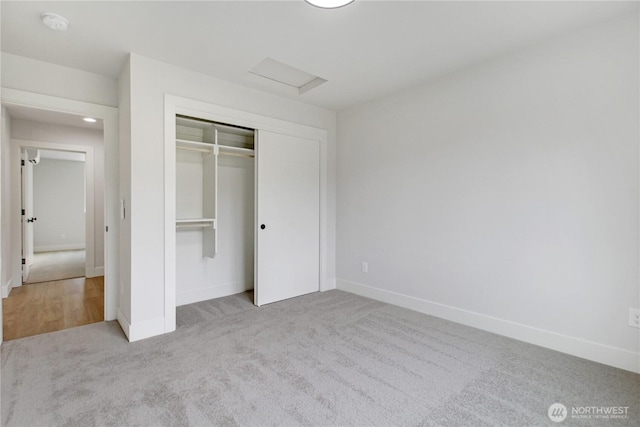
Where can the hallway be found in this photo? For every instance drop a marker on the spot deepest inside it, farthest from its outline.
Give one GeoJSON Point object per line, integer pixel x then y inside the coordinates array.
{"type": "Point", "coordinates": [34, 309]}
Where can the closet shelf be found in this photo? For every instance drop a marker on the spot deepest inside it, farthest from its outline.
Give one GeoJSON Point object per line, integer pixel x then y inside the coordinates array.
{"type": "Point", "coordinates": [206, 147]}
{"type": "Point", "coordinates": [196, 223]}
{"type": "Point", "coordinates": [185, 144]}
{"type": "Point", "coordinates": [211, 140]}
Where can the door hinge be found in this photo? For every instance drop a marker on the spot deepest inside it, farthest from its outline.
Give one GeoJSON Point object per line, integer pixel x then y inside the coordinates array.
{"type": "Point", "coordinates": [22, 211]}
{"type": "Point", "coordinates": [21, 162]}
{"type": "Point", "coordinates": [107, 228]}
{"type": "Point", "coordinates": [24, 261]}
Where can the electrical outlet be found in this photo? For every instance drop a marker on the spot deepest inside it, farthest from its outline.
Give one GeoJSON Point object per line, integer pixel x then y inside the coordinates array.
{"type": "Point", "coordinates": [634, 317]}
{"type": "Point", "coordinates": [365, 267]}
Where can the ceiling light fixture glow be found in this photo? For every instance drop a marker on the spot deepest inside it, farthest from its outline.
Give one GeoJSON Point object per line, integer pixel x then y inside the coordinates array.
{"type": "Point", "coordinates": [329, 4]}
{"type": "Point", "coordinates": [55, 21]}
{"type": "Point", "coordinates": [89, 120]}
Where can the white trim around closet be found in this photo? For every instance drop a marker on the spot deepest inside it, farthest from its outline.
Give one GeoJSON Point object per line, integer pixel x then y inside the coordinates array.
{"type": "Point", "coordinates": [189, 107]}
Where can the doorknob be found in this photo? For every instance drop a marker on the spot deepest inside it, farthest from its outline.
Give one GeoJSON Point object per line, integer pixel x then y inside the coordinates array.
{"type": "Point", "coordinates": [262, 227]}
{"type": "Point", "coordinates": [32, 219]}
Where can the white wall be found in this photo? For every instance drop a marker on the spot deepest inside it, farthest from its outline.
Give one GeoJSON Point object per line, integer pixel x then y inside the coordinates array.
{"type": "Point", "coordinates": [36, 76]}
{"type": "Point", "coordinates": [124, 153]}
{"type": "Point", "coordinates": [6, 274]}
{"type": "Point", "coordinates": [58, 205]}
{"type": "Point", "coordinates": [71, 135]}
{"type": "Point", "coordinates": [505, 195]}
{"type": "Point", "coordinates": [5, 248]}
{"type": "Point", "coordinates": [11, 259]}
{"type": "Point", "coordinates": [150, 80]}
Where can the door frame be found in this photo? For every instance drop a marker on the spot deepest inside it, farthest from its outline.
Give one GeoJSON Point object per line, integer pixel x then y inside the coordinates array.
{"type": "Point", "coordinates": [17, 145]}
{"type": "Point", "coordinates": [109, 115]}
{"type": "Point", "coordinates": [178, 105]}
{"type": "Point", "coordinates": [26, 203]}
{"type": "Point", "coordinates": [26, 189]}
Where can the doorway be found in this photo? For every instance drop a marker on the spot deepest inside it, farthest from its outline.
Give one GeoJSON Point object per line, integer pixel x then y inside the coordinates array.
{"type": "Point", "coordinates": [57, 185]}
{"type": "Point", "coordinates": [90, 296]}
{"type": "Point", "coordinates": [54, 201]}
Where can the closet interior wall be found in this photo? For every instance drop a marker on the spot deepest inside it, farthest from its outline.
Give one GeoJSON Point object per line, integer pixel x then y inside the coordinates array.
{"type": "Point", "coordinates": [214, 210]}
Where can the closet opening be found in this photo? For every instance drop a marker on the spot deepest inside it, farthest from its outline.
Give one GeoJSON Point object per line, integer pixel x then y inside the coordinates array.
{"type": "Point", "coordinates": [215, 209]}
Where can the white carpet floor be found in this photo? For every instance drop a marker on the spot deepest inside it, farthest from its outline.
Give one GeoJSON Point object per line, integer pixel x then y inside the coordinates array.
{"type": "Point", "coordinates": [58, 265]}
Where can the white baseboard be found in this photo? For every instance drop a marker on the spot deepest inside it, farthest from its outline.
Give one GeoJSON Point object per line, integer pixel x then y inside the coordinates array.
{"type": "Point", "coordinates": [124, 323]}
{"type": "Point", "coordinates": [97, 271]}
{"type": "Point", "coordinates": [6, 288]}
{"type": "Point", "coordinates": [189, 297]}
{"type": "Point", "coordinates": [597, 352]}
{"type": "Point", "coordinates": [328, 285]}
{"type": "Point", "coordinates": [146, 329]}
{"type": "Point", "coordinates": [140, 330]}
{"type": "Point", "coordinates": [54, 248]}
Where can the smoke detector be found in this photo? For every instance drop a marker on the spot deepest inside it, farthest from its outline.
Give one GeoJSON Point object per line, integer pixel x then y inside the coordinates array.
{"type": "Point", "coordinates": [55, 21]}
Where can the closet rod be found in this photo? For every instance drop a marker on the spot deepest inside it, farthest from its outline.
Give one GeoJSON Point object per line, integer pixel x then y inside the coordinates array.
{"type": "Point", "coordinates": [222, 153]}
{"type": "Point", "coordinates": [196, 225]}
{"type": "Point", "coordinates": [220, 126]}
{"type": "Point", "coordinates": [207, 150]}
{"type": "Point", "coordinates": [202, 150]}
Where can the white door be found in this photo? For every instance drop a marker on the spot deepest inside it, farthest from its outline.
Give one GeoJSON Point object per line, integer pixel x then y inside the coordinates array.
{"type": "Point", "coordinates": [287, 217]}
{"type": "Point", "coordinates": [27, 215]}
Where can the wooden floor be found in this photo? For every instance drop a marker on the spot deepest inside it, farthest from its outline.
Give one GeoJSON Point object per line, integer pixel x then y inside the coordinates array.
{"type": "Point", "coordinates": [38, 308]}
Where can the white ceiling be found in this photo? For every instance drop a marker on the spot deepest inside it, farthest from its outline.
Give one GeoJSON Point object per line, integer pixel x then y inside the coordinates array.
{"type": "Point", "coordinates": [365, 50]}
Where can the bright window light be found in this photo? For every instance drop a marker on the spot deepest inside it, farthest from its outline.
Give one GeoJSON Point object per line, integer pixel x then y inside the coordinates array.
{"type": "Point", "coordinates": [89, 120]}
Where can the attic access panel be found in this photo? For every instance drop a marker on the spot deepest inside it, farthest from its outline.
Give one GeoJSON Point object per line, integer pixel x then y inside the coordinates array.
{"type": "Point", "coordinates": [287, 75]}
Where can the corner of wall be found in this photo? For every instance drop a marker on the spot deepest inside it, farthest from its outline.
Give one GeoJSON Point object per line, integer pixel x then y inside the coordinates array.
{"type": "Point", "coordinates": [143, 329]}
{"type": "Point", "coordinates": [123, 320]}
{"type": "Point", "coordinates": [124, 191]}
{"type": "Point", "coordinates": [6, 288]}
{"type": "Point", "coordinates": [329, 284]}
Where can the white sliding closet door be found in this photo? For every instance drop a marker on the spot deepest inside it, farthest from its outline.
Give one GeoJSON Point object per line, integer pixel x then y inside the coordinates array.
{"type": "Point", "coordinates": [288, 217]}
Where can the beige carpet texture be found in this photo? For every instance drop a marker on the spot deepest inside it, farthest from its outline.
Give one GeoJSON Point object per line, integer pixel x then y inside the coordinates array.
{"type": "Point", "coordinates": [324, 359]}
